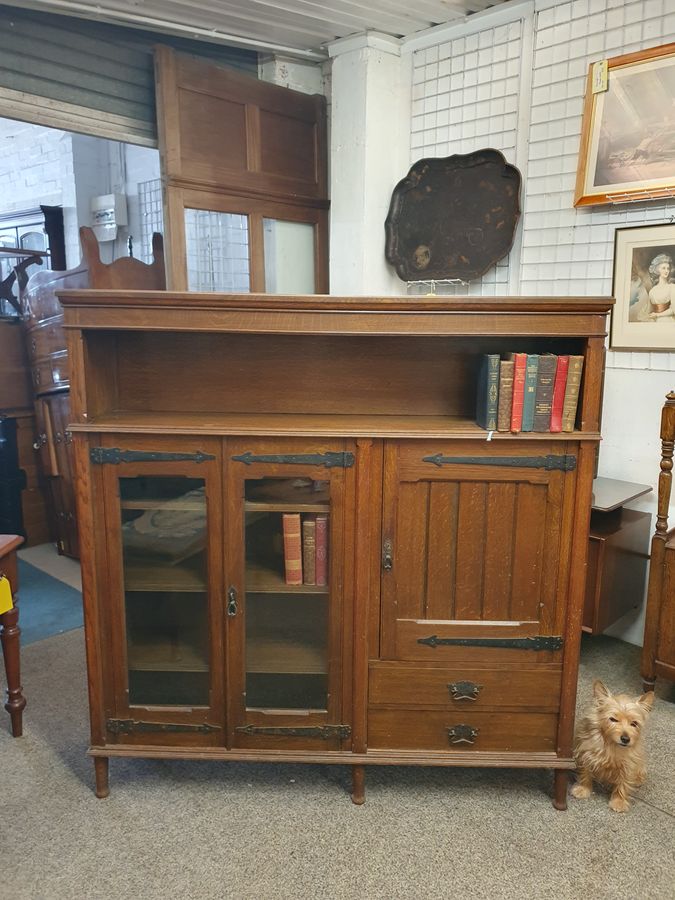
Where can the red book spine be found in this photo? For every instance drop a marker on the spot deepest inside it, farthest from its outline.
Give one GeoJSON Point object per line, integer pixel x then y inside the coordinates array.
{"type": "Point", "coordinates": [321, 543]}
{"type": "Point", "coordinates": [559, 393]}
{"type": "Point", "coordinates": [292, 548]}
{"type": "Point", "coordinates": [518, 391]}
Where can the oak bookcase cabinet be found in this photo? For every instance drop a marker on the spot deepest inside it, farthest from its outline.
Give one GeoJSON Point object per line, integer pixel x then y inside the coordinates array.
{"type": "Point", "coordinates": [448, 632]}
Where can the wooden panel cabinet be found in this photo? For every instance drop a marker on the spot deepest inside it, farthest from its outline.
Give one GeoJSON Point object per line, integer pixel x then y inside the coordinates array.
{"type": "Point", "coordinates": [447, 630]}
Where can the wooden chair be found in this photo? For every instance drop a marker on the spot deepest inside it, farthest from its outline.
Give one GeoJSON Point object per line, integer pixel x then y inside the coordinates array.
{"type": "Point", "coordinates": [125, 272]}
{"type": "Point", "coordinates": [658, 651]}
{"type": "Point", "coordinates": [9, 634]}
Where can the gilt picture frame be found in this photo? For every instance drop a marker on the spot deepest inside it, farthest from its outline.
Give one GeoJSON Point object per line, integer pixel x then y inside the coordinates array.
{"type": "Point", "coordinates": [643, 317]}
{"type": "Point", "coordinates": [627, 150]}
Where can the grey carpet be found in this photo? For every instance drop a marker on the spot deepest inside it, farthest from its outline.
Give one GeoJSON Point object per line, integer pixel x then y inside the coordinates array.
{"type": "Point", "coordinates": [188, 829]}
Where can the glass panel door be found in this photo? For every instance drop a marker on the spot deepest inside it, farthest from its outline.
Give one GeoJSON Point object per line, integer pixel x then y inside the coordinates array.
{"type": "Point", "coordinates": [289, 257]}
{"type": "Point", "coordinates": [164, 540]}
{"type": "Point", "coordinates": [287, 596]}
{"type": "Point", "coordinates": [217, 248]}
{"type": "Point", "coordinates": [290, 600]}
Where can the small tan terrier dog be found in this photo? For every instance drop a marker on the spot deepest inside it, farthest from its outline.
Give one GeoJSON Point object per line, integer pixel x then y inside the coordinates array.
{"type": "Point", "coordinates": [608, 745]}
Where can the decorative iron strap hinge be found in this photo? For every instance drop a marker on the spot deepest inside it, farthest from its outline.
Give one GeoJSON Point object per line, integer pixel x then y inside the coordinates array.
{"type": "Point", "coordinates": [331, 459]}
{"type": "Point", "coordinates": [129, 726]}
{"type": "Point", "coordinates": [564, 463]}
{"type": "Point", "coordinates": [529, 643]}
{"type": "Point", "coordinates": [114, 455]}
{"type": "Point", "coordinates": [325, 732]}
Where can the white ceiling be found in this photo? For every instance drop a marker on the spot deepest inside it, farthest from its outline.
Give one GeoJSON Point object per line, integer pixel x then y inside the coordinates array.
{"type": "Point", "coordinates": [298, 27]}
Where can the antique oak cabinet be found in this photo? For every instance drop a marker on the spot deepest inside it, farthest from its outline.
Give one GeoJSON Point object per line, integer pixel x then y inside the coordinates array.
{"type": "Point", "coordinates": [447, 632]}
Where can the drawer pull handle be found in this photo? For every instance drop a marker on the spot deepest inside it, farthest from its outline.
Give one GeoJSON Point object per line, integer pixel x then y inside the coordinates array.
{"type": "Point", "coordinates": [464, 690]}
{"type": "Point", "coordinates": [462, 734]}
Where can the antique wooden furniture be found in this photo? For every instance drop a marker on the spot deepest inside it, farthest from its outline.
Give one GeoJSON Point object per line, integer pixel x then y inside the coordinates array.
{"type": "Point", "coordinates": [23, 507]}
{"type": "Point", "coordinates": [618, 551]}
{"type": "Point", "coordinates": [9, 634]}
{"type": "Point", "coordinates": [658, 650]}
{"type": "Point", "coordinates": [43, 318]}
{"type": "Point", "coordinates": [449, 628]}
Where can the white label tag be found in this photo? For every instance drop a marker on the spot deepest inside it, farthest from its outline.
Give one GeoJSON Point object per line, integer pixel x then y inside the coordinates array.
{"type": "Point", "coordinates": [600, 77]}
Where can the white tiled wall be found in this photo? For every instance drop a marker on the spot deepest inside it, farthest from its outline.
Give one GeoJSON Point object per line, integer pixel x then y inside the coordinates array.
{"type": "Point", "coordinates": [465, 98]}
{"type": "Point", "coordinates": [468, 94]}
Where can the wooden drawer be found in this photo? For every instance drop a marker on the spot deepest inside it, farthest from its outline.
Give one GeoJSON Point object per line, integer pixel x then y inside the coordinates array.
{"type": "Point", "coordinates": [408, 729]}
{"type": "Point", "coordinates": [465, 688]}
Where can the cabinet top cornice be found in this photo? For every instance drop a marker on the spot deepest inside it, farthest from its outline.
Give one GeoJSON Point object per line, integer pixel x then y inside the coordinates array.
{"type": "Point", "coordinates": [153, 301]}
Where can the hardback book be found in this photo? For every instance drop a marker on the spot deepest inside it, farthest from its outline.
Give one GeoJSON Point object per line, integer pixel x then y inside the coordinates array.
{"type": "Point", "coordinates": [321, 549]}
{"type": "Point", "coordinates": [531, 367]}
{"type": "Point", "coordinates": [292, 548]}
{"type": "Point", "coordinates": [488, 392]}
{"type": "Point", "coordinates": [543, 396]}
{"type": "Point", "coordinates": [571, 400]}
{"type": "Point", "coordinates": [308, 549]}
{"type": "Point", "coordinates": [559, 393]}
{"type": "Point", "coordinates": [506, 369]}
{"type": "Point", "coordinates": [520, 362]}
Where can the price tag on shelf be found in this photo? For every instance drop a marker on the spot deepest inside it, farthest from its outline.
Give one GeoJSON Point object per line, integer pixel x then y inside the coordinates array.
{"type": "Point", "coordinates": [600, 76]}
{"type": "Point", "coordinates": [5, 595]}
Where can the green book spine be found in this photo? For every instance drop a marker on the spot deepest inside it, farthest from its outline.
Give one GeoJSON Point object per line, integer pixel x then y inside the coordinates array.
{"type": "Point", "coordinates": [531, 369]}
{"type": "Point", "coordinates": [487, 399]}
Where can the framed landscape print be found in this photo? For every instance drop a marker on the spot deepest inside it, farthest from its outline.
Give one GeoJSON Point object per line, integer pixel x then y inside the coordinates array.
{"type": "Point", "coordinates": [628, 133]}
{"type": "Point", "coordinates": [644, 287]}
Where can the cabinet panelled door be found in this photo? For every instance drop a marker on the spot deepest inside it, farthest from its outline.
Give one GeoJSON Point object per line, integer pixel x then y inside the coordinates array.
{"type": "Point", "coordinates": [471, 549]}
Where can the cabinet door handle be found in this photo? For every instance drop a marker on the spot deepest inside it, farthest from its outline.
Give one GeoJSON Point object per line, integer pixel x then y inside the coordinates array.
{"type": "Point", "coordinates": [387, 554]}
{"type": "Point", "coordinates": [232, 602]}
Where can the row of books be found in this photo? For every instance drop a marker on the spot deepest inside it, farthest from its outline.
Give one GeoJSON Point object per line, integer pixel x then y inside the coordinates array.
{"type": "Point", "coordinates": [305, 548]}
{"type": "Point", "coordinates": [528, 392]}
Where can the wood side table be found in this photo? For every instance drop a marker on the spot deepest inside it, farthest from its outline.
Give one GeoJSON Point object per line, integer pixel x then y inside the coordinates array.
{"type": "Point", "coordinates": [618, 553]}
{"type": "Point", "coordinates": [9, 634]}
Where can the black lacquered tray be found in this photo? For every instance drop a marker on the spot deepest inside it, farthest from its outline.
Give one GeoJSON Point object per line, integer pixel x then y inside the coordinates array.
{"type": "Point", "coordinates": [453, 217]}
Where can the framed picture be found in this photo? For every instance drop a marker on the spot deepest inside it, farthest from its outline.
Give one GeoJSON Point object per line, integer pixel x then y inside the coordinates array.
{"type": "Point", "coordinates": [644, 286]}
{"type": "Point", "coordinates": [628, 132]}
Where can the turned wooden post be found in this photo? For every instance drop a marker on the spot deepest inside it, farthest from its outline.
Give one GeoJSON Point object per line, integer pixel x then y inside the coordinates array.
{"type": "Point", "coordinates": [9, 634]}
{"type": "Point", "coordinates": [560, 780]}
{"type": "Point", "coordinates": [658, 549]}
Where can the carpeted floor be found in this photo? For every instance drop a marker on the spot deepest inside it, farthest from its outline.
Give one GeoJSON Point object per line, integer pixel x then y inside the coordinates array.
{"type": "Point", "coordinates": [190, 829]}
{"type": "Point", "coordinates": [47, 605]}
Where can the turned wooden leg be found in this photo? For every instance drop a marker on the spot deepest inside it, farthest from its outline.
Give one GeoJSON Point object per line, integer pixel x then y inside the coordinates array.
{"type": "Point", "coordinates": [560, 789]}
{"type": "Point", "coordinates": [648, 684]}
{"type": "Point", "coordinates": [9, 635]}
{"type": "Point", "coordinates": [358, 785]}
{"type": "Point", "coordinates": [101, 773]}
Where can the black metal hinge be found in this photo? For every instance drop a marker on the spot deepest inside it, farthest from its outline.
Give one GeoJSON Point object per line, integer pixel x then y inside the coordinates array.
{"type": "Point", "coordinates": [540, 642]}
{"type": "Point", "coordinates": [330, 459]}
{"type": "Point", "coordinates": [130, 726]}
{"type": "Point", "coordinates": [325, 732]}
{"type": "Point", "coordinates": [564, 463]}
{"type": "Point", "coordinates": [114, 455]}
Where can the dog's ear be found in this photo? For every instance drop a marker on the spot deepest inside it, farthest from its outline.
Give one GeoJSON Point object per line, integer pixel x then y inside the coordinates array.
{"type": "Point", "coordinates": [646, 701]}
{"type": "Point", "coordinates": [600, 692]}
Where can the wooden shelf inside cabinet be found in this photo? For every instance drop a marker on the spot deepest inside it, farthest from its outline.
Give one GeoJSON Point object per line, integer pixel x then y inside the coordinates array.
{"type": "Point", "coordinates": [284, 657]}
{"type": "Point", "coordinates": [311, 425]}
{"type": "Point", "coordinates": [261, 579]}
{"type": "Point", "coordinates": [164, 656]}
{"type": "Point", "coordinates": [162, 576]}
{"type": "Point", "coordinates": [177, 504]}
{"type": "Point", "coordinates": [255, 506]}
